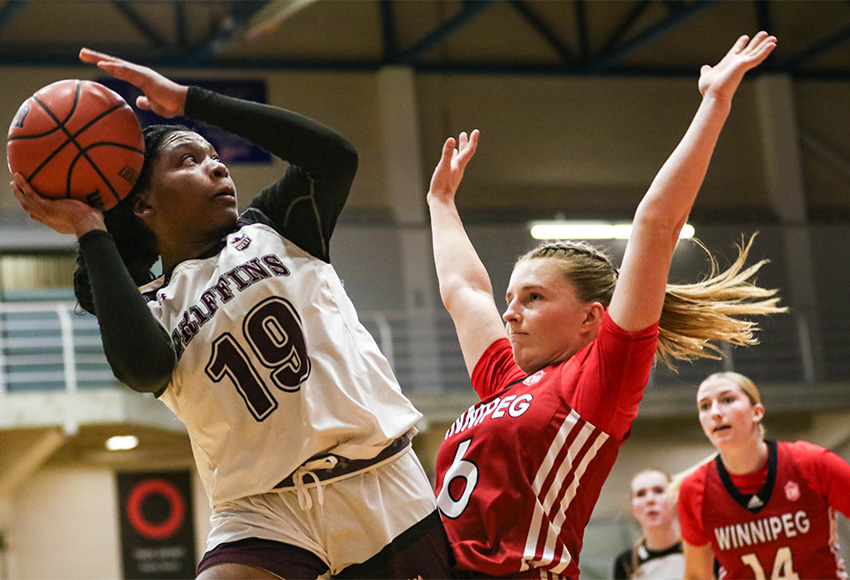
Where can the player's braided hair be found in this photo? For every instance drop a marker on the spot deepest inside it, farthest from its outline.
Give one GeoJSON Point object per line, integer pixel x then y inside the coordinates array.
{"type": "Point", "coordinates": [695, 316]}
{"type": "Point", "coordinates": [589, 269]}
{"type": "Point", "coordinates": [135, 242]}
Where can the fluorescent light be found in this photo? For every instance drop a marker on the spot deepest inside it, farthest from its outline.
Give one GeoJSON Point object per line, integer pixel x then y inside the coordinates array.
{"type": "Point", "coordinates": [572, 231]}
{"type": "Point", "coordinates": [568, 230]}
{"type": "Point", "coordinates": [122, 442]}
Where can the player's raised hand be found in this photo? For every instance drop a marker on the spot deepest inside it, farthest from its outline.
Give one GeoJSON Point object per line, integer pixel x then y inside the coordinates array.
{"type": "Point", "coordinates": [449, 171]}
{"type": "Point", "coordinates": [66, 216]}
{"type": "Point", "coordinates": [161, 95]}
{"type": "Point", "coordinates": [722, 79]}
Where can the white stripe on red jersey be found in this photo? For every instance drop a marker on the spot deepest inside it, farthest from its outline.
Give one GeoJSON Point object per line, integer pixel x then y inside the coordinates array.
{"type": "Point", "coordinates": [541, 545]}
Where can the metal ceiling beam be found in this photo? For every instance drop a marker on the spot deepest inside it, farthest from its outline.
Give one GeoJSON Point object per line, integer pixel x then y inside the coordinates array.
{"type": "Point", "coordinates": [625, 25]}
{"type": "Point", "coordinates": [794, 61]}
{"type": "Point", "coordinates": [138, 22]}
{"type": "Point", "coordinates": [180, 29]}
{"type": "Point", "coordinates": [544, 30]}
{"type": "Point", "coordinates": [446, 29]}
{"type": "Point", "coordinates": [9, 10]}
{"type": "Point", "coordinates": [826, 152]}
{"type": "Point", "coordinates": [608, 60]}
{"type": "Point", "coordinates": [581, 30]}
{"type": "Point", "coordinates": [239, 20]}
{"type": "Point", "coordinates": [272, 15]}
{"type": "Point", "coordinates": [16, 56]}
{"type": "Point", "coordinates": [763, 15]}
{"type": "Point", "coordinates": [389, 37]}
{"type": "Point", "coordinates": [764, 21]}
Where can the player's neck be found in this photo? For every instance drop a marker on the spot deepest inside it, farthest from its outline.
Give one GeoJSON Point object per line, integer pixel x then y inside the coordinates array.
{"type": "Point", "coordinates": [175, 249]}
{"type": "Point", "coordinates": [745, 458]}
{"type": "Point", "coordinates": [658, 538]}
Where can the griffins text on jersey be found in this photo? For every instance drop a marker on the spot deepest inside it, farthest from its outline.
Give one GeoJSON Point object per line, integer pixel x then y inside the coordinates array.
{"type": "Point", "coordinates": [226, 287]}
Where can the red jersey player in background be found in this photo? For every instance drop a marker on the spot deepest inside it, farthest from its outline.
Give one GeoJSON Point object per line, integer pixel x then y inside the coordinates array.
{"type": "Point", "coordinates": [763, 509]}
{"type": "Point", "coordinates": [561, 376]}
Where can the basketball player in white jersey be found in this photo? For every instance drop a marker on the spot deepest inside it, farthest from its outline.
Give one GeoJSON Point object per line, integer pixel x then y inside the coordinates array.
{"type": "Point", "coordinates": [300, 432]}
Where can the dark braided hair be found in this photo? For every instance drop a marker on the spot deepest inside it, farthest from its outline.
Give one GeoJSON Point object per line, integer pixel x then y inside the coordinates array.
{"type": "Point", "coordinates": [135, 242]}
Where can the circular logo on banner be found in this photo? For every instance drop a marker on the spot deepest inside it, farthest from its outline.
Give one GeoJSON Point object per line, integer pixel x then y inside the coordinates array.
{"type": "Point", "coordinates": [140, 522]}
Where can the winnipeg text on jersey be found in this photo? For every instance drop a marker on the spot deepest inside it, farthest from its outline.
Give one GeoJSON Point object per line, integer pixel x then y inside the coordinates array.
{"type": "Point", "coordinates": [769, 529]}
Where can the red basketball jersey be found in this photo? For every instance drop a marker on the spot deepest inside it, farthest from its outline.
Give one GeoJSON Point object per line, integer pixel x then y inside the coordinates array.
{"type": "Point", "coordinates": [783, 529]}
{"type": "Point", "coordinates": [519, 472]}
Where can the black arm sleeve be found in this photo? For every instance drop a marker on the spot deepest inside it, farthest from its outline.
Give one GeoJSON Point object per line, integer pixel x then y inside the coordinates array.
{"type": "Point", "coordinates": [138, 349]}
{"type": "Point", "coordinates": [305, 204]}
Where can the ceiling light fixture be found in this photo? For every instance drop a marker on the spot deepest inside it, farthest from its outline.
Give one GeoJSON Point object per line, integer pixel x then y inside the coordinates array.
{"type": "Point", "coordinates": [122, 442]}
{"type": "Point", "coordinates": [591, 230]}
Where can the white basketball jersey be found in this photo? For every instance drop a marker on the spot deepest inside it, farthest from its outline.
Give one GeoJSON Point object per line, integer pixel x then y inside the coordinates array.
{"type": "Point", "coordinates": [274, 366]}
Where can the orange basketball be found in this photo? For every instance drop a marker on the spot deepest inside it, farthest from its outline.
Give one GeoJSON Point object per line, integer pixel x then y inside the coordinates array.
{"type": "Point", "coordinates": [77, 139]}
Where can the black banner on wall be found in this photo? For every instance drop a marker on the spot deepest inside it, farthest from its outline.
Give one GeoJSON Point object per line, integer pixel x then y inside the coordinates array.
{"type": "Point", "coordinates": [157, 525]}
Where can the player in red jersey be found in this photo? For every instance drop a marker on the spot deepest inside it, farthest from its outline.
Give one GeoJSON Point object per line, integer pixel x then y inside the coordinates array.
{"type": "Point", "coordinates": [519, 473]}
{"type": "Point", "coordinates": [763, 509]}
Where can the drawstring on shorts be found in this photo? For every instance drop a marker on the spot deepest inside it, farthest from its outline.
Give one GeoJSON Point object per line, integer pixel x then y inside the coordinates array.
{"type": "Point", "coordinates": [328, 468]}
{"type": "Point", "coordinates": [305, 502]}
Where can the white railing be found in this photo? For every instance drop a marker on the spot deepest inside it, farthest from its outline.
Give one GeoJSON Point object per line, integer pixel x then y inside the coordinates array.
{"type": "Point", "coordinates": [49, 346]}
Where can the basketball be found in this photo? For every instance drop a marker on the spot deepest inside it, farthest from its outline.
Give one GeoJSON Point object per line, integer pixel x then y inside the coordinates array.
{"type": "Point", "coordinates": [77, 139]}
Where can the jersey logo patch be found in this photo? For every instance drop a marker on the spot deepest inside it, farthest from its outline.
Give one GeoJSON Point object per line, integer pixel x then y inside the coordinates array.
{"type": "Point", "coordinates": [535, 378]}
{"type": "Point", "coordinates": [240, 242]}
{"type": "Point", "coordinates": [792, 491]}
{"type": "Point", "coordinates": [754, 502]}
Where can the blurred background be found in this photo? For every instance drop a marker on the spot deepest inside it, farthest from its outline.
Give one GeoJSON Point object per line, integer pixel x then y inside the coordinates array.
{"type": "Point", "coordinates": [579, 102]}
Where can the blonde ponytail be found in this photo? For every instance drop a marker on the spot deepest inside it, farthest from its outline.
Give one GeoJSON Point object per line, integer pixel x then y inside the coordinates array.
{"type": "Point", "coordinates": [696, 316]}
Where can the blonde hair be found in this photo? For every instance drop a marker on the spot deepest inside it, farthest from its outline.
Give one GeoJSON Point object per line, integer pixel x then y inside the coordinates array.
{"type": "Point", "coordinates": [748, 387]}
{"type": "Point", "coordinates": [648, 470]}
{"type": "Point", "coordinates": [695, 316]}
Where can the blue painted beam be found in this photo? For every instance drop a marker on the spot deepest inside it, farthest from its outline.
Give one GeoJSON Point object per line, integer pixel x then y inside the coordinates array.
{"type": "Point", "coordinates": [830, 43]}
{"type": "Point", "coordinates": [764, 21]}
{"type": "Point", "coordinates": [240, 19]}
{"type": "Point", "coordinates": [16, 56]}
{"type": "Point", "coordinates": [180, 30]}
{"type": "Point", "coordinates": [638, 8]}
{"type": "Point", "coordinates": [764, 17]}
{"type": "Point", "coordinates": [389, 37]}
{"type": "Point", "coordinates": [544, 30]}
{"type": "Point", "coordinates": [446, 29]}
{"type": "Point", "coordinates": [607, 60]}
{"type": "Point", "coordinates": [8, 12]}
{"type": "Point", "coordinates": [581, 29]}
{"type": "Point", "coordinates": [139, 23]}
